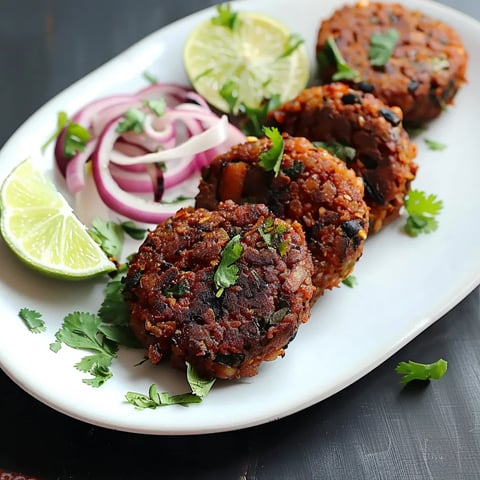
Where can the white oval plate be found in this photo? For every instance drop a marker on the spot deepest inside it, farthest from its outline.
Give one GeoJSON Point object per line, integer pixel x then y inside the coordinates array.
{"type": "Point", "coordinates": [404, 284]}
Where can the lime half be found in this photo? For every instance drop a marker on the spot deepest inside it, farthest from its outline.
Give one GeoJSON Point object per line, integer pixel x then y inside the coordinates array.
{"type": "Point", "coordinates": [39, 226]}
{"type": "Point", "coordinates": [253, 59]}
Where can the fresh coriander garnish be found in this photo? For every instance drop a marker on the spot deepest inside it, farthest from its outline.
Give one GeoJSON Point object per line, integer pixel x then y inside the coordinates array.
{"type": "Point", "coordinates": [32, 319]}
{"type": "Point", "coordinates": [382, 46]}
{"type": "Point", "coordinates": [176, 290]}
{"type": "Point", "coordinates": [109, 235]}
{"type": "Point", "coordinates": [62, 121]}
{"type": "Point", "coordinates": [200, 388]}
{"type": "Point", "coordinates": [421, 371]}
{"type": "Point", "coordinates": [293, 42]}
{"type": "Point", "coordinates": [351, 281]}
{"type": "Point", "coordinates": [133, 120]}
{"type": "Point", "coordinates": [229, 92]}
{"type": "Point", "coordinates": [150, 78]}
{"type": "Point", "coordinates": [273, 236]}
{"type": "Point", "coordinates": [339, 150]}
{"type": "Point", "coordinates": [81, 331]}
{"type": "Point", "coordinates": [132, 230]}
{"type": "Point", "coordinates": [76, 139]}
{"type": "Point", "coordinates": [113, 309]}
{"type": "Point", "coordinates": [255, 116]}
{"type": "Point", "coordinates": [158, 106]}
{"type": "Point", "coordinates": [422, 210]}
{"type": "Point", "coordinates": [331, 53]}
{"type": "Point", "coordinates": [434, 145]}
{"type": "Point", "coordinates": [225, 16]}
{"type": "Point", "coordinates": [272, 158]}
{"type": "Point", "coordinates": [226, 273]}
{"type": "Point", "coordinates": [439, 63]}
{"type": "Point", "coordinates": [180, 198]}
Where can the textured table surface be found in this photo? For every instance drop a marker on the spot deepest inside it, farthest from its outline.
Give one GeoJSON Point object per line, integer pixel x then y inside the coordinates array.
{"type": "Point", "coordinates": [371, 430]}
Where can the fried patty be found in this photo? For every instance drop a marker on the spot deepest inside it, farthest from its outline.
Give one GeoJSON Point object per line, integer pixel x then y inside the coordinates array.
{"type": "Point", "coordinates": [423, 73]}
{"type": "Point", "coordinates": [312, 187]}
{"type": "Point", "coordinates": [368, 135]}
{"type": "Point", "coordinates": [223, 290]}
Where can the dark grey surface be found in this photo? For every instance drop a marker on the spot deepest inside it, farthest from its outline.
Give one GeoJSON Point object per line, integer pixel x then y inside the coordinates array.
{"type": "Point", "coordinates": [372, 430]}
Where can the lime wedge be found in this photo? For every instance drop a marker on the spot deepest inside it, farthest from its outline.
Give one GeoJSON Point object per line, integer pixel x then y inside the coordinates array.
{"type": "Point", "coordinates": [39, 226]}
{"type": "Point", "coordinates": [254, 58]}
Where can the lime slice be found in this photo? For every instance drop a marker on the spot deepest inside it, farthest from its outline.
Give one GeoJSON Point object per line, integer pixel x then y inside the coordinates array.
{"type": "Point", "coordinates": [255, 55]}
{"type": "Point", "coordinates": [39, 226]}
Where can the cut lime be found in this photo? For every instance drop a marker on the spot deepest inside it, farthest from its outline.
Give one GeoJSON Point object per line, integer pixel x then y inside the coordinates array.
{"type": "Point", "coordinates": [39, 226]}
{"type": "Point", "coordinates": [253, 60]}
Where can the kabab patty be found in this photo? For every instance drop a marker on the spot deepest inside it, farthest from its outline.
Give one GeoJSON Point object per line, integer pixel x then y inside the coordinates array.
{"type": "Point", "coordinates": [312, 187]}
{"type": "Point", "coordinates": [382, 152]}
{"type": "Point", "coordinates": [178, 310]}
{"type": "Point", "coordinates": [422, 75]}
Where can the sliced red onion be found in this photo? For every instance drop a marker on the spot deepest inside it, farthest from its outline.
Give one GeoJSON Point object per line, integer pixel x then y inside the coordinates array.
{"type": "Point", "coordinates": [75, 169]}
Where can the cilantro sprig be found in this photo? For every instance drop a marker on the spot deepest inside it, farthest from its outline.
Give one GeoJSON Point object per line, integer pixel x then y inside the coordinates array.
{"type": "Point", "coordinates": [200, 388]}
{"type": "Point", "coordinates": [33, 320]}
{"type": "Point", "coordinates": [331, 54]}
{"type": "Point", "coordinates": [421, 371]}
{"type": "Point", "coordinates": [76, 136]}
{"type": "Point", "coordinates": [132, 121]}
{"type": "Point", "coordinates": [422, 210]}
{"type": "Point", "coordinates": [271, 160]}
{"type": "Point", "coordinates": [382, 46]}
{"type": "Point", "coordinates": [225, 17]}
{"type": "Point", "coordinates": [226, 273]}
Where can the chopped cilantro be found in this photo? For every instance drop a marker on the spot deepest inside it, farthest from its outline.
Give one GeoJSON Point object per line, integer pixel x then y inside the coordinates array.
{"type": "Point", "coordinates": [225, 16]}
{"type": "Point", "coordinates": [339, 150]}
{"type": "Point", "coordinates": [32, 319]}
{"type": "Point", "coordinates": [176, 290]}
{"type": "Point", "coordinates": [434, 145]}
{"type": "Point", "coordinates": [351, 281]}
{"type": "Point", "coordinates": [272, 158]}
{"type": "Point", "coordinates": [158, 106]}
{"type": "Point", "coordinates": [422, 210]}
{"type": "Point", "coordinates": [133, 120]}
{"type": "Point", "coordinates": [293, 42]}
{"type": "Point", "coordinates": [199, 390]}
{"type": "Point", "coordinates": [131, 229]}
{"type": "Point", "coordinates": [62, 121]}
{"type": "Point", "coordinates": [439, 63]}
{"type": "Point", "coordinates": [180, 198]}
{"type": "Point", "coordinates": [255, 116]}
{"type": "Point", "coordinates": [332, 55]}
{"type": "Point", "coordinates": [272, 235]}
{"type": "Point", "coordinates": [421, 371]}
{"type": "Point", "coordinates": [229, 92]}
{"type": "Point", "coordinates": [382, 46]}
{"type": "Point", "coordinates": [109, 235]}
{"type": "Point", "coordinates": [226, 273]}
{"type": "Point", "coordinates": [150, 78]}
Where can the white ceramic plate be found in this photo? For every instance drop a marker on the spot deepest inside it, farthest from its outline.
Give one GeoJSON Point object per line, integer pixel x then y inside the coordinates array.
{"type": "Point", "coordinates": [404, 284]}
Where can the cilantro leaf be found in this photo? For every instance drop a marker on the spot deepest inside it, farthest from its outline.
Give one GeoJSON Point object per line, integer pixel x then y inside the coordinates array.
{"type": "Point", "coordinates": [121, 334]}
{"type": "Point", "coordinates": [422, 210]}
{"type": "Point", "coordinates": [158, 106]}
{"type": "Point", "coordinates": [109, 235]}
{"type": "Point", "coordinates": [382, 46]}
{"type": "Point", "coordinates": [229, 92]}
{"type": "Point", "coordinates": [199, 390]}
{"type": "Point", "coordinates": [131, 229]}
{"type": "Point", "coordinates": [225, 16]}
{"type": "Point", "coordinates": [33, 320]}
{"type": "Point", "coordinates": [133, 120]}
{"type": "Point", "coordinates": [81, 330]}
{"type": "Point", "coordinates": [272, 158]}
{"type": "Point", "coordinates": [76, 138]}
{"type": "Point", "coordinates": [434, 145]}
{"type": "Point", "coordinates": [350, 281]}
{"type": "Point", "coordinates": [293, 42]}
{"type": "Point", "coordinates": [332, 55]}
{"type": "Point", "coordinates": [255, 116]}
{"type": "Point", "coordinates": [62, 121]}
{"type": "Point", "coordinates": [113, 309]}
{"type": "Point", "coordinates": [421, 371]}
{"type": "Point", "coordinates": [226, 273]}
{"type": "Point", "coordinates": [150, 78]}
{"type": "Point", "coordinates": [339, 150]}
